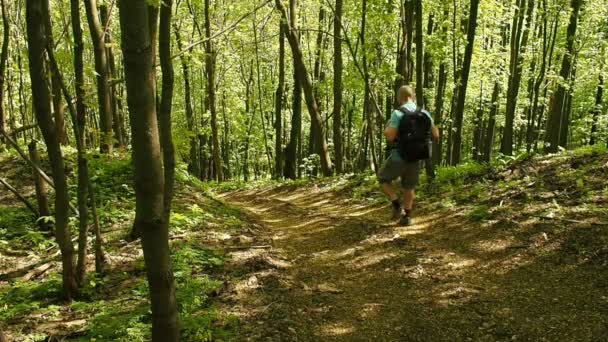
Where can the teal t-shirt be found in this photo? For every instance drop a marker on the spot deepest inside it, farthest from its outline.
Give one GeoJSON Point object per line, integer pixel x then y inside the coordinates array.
{"type": "Point", "coordinates": [395, 119]}
{"type": "Point", "coordinates": [396, 116]}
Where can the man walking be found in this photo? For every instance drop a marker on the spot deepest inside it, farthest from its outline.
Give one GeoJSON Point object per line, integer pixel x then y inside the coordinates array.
{"type": "Point", "coordinates": [409, 132]}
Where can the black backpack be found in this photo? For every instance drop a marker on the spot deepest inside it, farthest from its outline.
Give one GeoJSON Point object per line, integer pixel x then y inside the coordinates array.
{"type": "Point", "coordinates": [414, 140]}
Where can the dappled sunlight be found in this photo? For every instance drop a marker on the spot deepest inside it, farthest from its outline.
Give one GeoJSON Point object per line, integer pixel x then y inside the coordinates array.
{"type": "Point", "coordinates": [337, 329]}
{"type": "Point", "coordinates": [368, 260]}
{"type": "Point", "coordinates": [495, 245]}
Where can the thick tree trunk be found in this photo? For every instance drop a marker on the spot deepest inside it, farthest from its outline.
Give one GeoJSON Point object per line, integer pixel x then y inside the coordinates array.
{"type": "Point", "coordinates": [37, 15]}
{"type": "Point", "coordinates": [464, 80]}
{"type": "Point", "coordinates": [557, 107]}
{"type": "Point", "coordinates": [138, 27]}
{"type": "Point", "coordinates": [337, 87]}
{"type": "Point", "coordinates": [518, 50]}
{"type": "Point", "coordinates": [101, 70]}
{"type": "Point", "coordinates": [210, 60]}
{"type": "Point", "coordinates": [278, 108]}
{"type": "Point", "coordinates": [303, 75]}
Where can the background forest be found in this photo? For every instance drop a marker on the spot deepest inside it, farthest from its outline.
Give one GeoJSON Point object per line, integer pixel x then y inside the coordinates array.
{"type": "Point", "coordinates": [531, 80]}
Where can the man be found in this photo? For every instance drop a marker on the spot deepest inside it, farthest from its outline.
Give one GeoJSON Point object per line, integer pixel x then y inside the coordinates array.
{"type": "Point", "coordinates": [395, 166]}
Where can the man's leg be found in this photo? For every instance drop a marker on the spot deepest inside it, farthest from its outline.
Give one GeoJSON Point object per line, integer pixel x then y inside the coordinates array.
{"type": "Point", "coordinates": [409, 181]}
{"type": "Point", "coordinates": [390, 171]}
{"type": "Point", "coordinates": [408, 200]}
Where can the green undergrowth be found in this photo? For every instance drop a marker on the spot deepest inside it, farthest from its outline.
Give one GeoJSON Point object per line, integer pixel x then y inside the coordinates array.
{"type": "Point", "coordinates": [115, 306]}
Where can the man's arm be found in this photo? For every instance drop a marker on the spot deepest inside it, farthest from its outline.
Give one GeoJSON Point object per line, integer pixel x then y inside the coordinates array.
{"type": "Point", "coordinates": [435, 133]}
{"type": "Point", "coordinates": [391, 134]}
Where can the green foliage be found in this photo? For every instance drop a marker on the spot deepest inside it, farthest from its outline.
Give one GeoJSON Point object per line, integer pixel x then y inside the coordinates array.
{"type": "Point", "coordinates": [18, 227]}
{"type": "Point", "coordinates": [479, 213]}
{"type": "Point", "coordinates": [22, 298]}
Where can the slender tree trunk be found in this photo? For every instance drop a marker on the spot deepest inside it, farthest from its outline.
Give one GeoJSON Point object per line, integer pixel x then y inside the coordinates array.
{"type": "Point", "coordinates": [260, 99]}
{"type": "Point", "coordinates": [3, 63]}
{"type": "Point", "coordinates": [337, 87]}
{"type": "Point", "coordinates": [311, 102]}
{"type": "Point", "coordinates": [79, 125]}
{"type": "Point", "coordinates": [518, 49]}
{"type": "Point", "coordinates": [193, 162]}
{"type": "Point", "coordinates": [41, 188]}
{"type": "Point", "coordinates": [58, 110]}
{"type": "Point", "coordinates": [557, 107]}
{"type": "Point", "coordinates": [491, 126]}
{"type": "Point", "coordinates": [464, 80]}
{"type": "Point", "coordinates": [278, 122]}
{"type": "Point", "coordinates": [291, 153]}
{"type": "Point", "coordinates": [597, 110]}
{"type": "Point", "coordinates": [404, 54]}
{"type": "Point", "coordinates": [428, 60]}
{"type": "Point", "coordinates": [101, 70]}
{"type": "Point", "coordinates": [166, 104]}
{"type": "Point", "coordinates": [37, 14]}
{"type": "Point", "coordinates": [442, 80]}
{"type": "Point", "coordinates": [419, 55]}
{"type": "Point", "coordinates": [210, 60]}
{"type": "Point", "coordinates": [138, 27]}
{"type": "Point", "coordinates": [117, 121]}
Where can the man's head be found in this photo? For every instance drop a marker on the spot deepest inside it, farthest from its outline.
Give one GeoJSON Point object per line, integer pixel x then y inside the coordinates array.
{"type": "Point", "coordinates": [405, 94]}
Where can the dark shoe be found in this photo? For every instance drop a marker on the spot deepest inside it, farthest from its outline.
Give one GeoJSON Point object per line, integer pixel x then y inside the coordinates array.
{"type": "Point", "coordinates": [405, 220]}
{"type": "Point", "coordinates": [397, 212]}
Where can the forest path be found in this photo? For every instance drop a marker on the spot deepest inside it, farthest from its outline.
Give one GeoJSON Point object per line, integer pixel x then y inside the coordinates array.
{"type": "Point", "coordinates": [323, 268]}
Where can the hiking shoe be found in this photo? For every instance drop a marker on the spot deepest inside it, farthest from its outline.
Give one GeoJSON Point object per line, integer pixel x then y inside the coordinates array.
{"type": "Point", "coordinates": [405, 220]}
{"type": "Point", "coordinates": [397, 212]}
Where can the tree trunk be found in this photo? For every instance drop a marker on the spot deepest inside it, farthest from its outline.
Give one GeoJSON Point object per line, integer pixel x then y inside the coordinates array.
{"type": "Point", "coordinates": [101, 70]}
{"type": "Point", "coordinates": [40, 185]}
{"type": "Point", "coordinates": [491, 125]}
{"type": "Point", "coordinates": [464, 80]}
{"type": "Point", "coordinates": [404, 63]}
{"type": "Point", "coordinates": [291, 152]}
{"type": "Point", "coordinates": [3, 63]}
{"type": "Point", "coordinates": [278, 117]}
{"type": "Point", "coordinates": [303, 75]}
{"type": "Point", "coordinates": [193, 162]}
{"type": "Point", "coordinates": [58, 109]}
{"type": "Point", "coordinates": [37, 14]}
{"type": "Point", "coordinates": [210, 60]}
{"type": "Point", "coordinates": [79, 125]}
{"type": "Point", "coordinates": [597, 110]}
{"type": "Point", "coordinates": [337, 87]}
{"type": "Point", "coordinates": [557, 107]}
{"type": "Point", "coordinates": [260, 100]}
{"type": "Point", "coordinates": [138, 27]}
{"type": "Point", "coordinates": [518, 49]}
{"type": "Point", "coordinates": [419, 55]}
{"type": "Point", "coordinates": [117, 121]}
{"type": "Point", "coordinates": [166, 104]}
{"type": "Point", "coordinates": [442, 80]}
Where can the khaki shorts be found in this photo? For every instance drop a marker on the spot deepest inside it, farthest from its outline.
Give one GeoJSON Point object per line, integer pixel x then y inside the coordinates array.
{"type": "Point", "coordinates": [395, 167]}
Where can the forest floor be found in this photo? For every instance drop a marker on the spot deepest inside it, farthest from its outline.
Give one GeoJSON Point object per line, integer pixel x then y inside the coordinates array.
{"type": "Point", "coordinates": [512, 252]}
{"type": "Point", "coordinates": [518, 254]}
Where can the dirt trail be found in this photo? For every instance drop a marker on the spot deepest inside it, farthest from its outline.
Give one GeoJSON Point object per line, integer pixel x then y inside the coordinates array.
{"type": "Point", "coordinates": [322, 268]}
